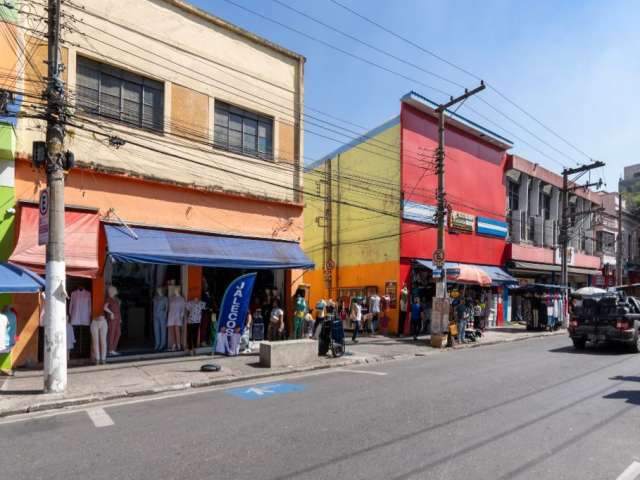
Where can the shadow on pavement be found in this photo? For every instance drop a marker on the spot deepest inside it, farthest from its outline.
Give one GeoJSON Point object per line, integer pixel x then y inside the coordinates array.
{"type": "Point", "coordinates": [592, 350]}
{"type": "Point", "coordinates": [631, 396]}
{"type": "Point", "coordinates": [626, 378]}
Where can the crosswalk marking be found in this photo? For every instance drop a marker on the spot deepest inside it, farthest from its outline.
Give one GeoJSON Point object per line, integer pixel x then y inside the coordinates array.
{"type": "Point", "coordinates": [631, 473]}
{"type": "Point", "coordinates": [99, 417]}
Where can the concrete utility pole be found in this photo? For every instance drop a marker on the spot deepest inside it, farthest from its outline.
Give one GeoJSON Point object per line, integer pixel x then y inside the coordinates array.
{"type": "Point", "coordinates": [564, 223]}
{"type": "Point", "coordinates": [619, 270]}
{"type": "Point", "coordinates": [439, 256]}
{"type": "Point", "coordinates": [55, 332]}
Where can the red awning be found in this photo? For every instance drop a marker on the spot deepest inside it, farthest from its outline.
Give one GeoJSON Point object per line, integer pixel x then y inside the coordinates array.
{"type": "Point", "coordinates": [80, 248]}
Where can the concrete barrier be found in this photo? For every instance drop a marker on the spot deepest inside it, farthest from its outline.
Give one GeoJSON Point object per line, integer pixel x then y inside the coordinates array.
{"type": "Point", "coordinates": [293, 353]}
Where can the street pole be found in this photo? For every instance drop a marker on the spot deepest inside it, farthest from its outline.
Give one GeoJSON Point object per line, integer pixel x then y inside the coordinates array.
{"type": "Point", "coordinates": [564, 220]}
{"type": "Point", "coordinates": [619, 270]}
{"type": "Point", "coordinates": [55, 332]}
{"type": "Point", "coordinates": [441, 287]}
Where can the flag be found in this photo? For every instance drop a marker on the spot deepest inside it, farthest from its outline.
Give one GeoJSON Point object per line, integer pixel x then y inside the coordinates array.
{"type": "Point", "coordinates": [233, 313]}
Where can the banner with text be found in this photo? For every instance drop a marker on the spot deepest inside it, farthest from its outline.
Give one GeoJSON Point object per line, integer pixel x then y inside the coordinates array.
{"type": "Point", "coordinates": [233, 313]}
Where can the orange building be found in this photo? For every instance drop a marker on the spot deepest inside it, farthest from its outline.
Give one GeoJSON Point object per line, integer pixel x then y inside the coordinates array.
{"type": "Point", "coordinates": [192, 155]}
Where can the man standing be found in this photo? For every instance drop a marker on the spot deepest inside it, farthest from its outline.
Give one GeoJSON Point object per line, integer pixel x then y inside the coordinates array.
{"type": "Point", "coordinates": [416, 320]}
{"type": "Point", "coordinates": [462, 315]}
{"type": "Point", "coordinates": [356, 318]}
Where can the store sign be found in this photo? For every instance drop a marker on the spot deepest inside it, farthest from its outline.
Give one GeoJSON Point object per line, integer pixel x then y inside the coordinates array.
{"type": "Point", "coordinates": [461, 221]}
{"type": "Point", "coordinates": [417, 212]}
{"type": "Point", "coordinates": [491, 227]}
{"type": "Point", "coordinates": [233, 313]}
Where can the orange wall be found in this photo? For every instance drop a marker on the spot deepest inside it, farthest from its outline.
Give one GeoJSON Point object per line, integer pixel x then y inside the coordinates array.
{"type": "Point", "coordinates": [25, 351]}
{"type": "Point", "coordinates": [152, 203]}
{"type": "Point", "coordinates": [355, 276]}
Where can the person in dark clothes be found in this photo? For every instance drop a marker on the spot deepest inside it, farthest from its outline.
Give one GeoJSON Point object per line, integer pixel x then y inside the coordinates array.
{"type": "Point", "coordinates": [416, 320]}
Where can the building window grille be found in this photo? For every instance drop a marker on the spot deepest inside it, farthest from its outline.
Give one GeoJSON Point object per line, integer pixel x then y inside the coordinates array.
{"type": "Point", "coordinates": [242, 131]}
{"type": "Point", "coordinates": [109, 92]}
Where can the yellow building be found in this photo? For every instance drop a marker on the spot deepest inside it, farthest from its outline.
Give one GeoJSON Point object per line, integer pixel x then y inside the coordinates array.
{"type": "Point", "coordinates": [352, 218]}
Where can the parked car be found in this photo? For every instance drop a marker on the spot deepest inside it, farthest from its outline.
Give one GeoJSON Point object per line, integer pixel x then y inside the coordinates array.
{"type": "Point", "coordinates": [610, 318]}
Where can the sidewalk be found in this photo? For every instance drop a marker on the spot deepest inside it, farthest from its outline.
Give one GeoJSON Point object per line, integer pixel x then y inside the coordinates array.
{"type": "Point", "coordinates": [22, 392]}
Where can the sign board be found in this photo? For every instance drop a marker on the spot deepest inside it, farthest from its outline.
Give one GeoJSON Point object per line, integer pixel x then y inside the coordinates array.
{"type": "Point", "coordinates": [491, 227]}
{"type": "Point", "coordinates": [258, 392]}
{"type": "Point", "coordinates": [233, 313]}
{"type": "Point", "coordinates": [43, 221]}
{"type": "Point", "coordinates": [438, 258]}
{"type": "Point", "coordinates": [461, 221]}
{"type": "Point", "coordinates": [440, 315]}
{"type": "Point", "coordinates": [570, 256]}
{"type": "Point", "coordinates": [436, 273]}
{"type": "Point", "coordinates": [417, 212]}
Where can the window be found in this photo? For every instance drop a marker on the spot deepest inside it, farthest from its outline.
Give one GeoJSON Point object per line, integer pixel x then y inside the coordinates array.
{"type": "Point", "coordinates": [605, 242]}
{"type": "Point", "coordinates": [110, 92]}
{"type": "Point", "coordinates": [513, 195]}
{"type": "Point", "coordinates": [242, 131]}
{"type": "Point", "coordinates": [545, 205]}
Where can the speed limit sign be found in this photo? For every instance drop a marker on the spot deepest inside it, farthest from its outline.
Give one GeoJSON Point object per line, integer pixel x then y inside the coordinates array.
{"type": "Point", "coordinates": [438, 258]}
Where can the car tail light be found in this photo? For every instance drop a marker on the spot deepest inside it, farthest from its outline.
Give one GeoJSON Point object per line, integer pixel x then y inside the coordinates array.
{"type": "Point", "coordinates": [573, 322]}
{"type": "Point", "coordinates": [622, 325]}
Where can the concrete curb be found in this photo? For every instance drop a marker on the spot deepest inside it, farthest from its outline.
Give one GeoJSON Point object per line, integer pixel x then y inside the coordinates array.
{"type": "Point", "coordinates": [149, 391]}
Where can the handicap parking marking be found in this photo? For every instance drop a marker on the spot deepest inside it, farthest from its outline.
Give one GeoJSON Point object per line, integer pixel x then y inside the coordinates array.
{"type": "Point", "coordinates": [265, 390]}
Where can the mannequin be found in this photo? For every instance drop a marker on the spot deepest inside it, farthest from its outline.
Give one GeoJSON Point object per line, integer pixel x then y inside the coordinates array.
{"type": "Point", "coordinates": [112, 313]}
{"type": "Point", "coordinates": [160, 311]}
{"type": "Point", "coordinates": [299, 309]}
{"type": "Point", "coordinates": [404, 304]}
{"type": "Point", "coordinates": [374, 310]}
{"type": "Point", "coordinates": [99, 329]}
{"type": "Point", "coordinates": [193, 310]}
{"type": "Point", "coordinates": [175, 318]}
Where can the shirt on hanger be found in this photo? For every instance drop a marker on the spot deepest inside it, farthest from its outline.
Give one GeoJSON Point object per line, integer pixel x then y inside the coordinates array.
{"type": "Point", "coordinates": [194, 311]}
{"type": "Point", "coordinates": [80, 307]}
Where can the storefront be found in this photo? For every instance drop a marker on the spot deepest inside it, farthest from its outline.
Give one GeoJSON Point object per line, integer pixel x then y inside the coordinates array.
{"type": "Point", "coordinates": [139, 235]}
{"type": "Point", "coordinates": [485, 284]}
{"type": "Point", "coordinates": [538, 306]}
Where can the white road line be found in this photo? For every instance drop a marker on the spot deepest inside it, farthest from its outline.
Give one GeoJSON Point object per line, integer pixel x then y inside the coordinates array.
{"type": "Point", "coordinates": [631, 473]}
{"type": "Point", "coordinates": [360, 371]}
{"type": "Point", "coordinates": [99, 417]}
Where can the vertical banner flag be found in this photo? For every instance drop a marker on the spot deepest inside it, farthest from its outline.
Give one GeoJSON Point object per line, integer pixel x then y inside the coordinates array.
{"type": "Point", "coordinates": [233, 313]}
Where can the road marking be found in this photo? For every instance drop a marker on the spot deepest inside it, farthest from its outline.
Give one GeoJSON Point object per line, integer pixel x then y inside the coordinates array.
{"type": "Point", "coordinates": [99, 417]}
{"type": "Point", "coordinates": [256, 392]}
{"type": "Point", "coordinates": [631, 473]}
{"type": "Point", "coordinates": [360, 371]}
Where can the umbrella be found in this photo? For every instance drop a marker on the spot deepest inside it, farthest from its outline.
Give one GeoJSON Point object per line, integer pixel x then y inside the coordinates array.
{"type": "Point", "coordinates": [589, 291]}
{"type": "Point", "coordinates": [471, 274]}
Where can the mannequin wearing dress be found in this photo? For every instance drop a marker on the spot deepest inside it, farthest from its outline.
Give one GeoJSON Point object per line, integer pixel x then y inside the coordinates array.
{"type": "Point", "coordinates": [175, 318]}
{"type": "Point", "coordinates": [112, 313]}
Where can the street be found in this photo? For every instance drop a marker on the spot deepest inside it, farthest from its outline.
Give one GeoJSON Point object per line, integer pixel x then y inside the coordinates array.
{"type": "Point", "coordinates": [530, 409]}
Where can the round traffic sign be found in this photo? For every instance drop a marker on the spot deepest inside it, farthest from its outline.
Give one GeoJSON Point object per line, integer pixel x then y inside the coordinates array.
{"type": "Point", "coordinates": [438, 257]}
{"type": "Point", "coordinates": [44, 202]}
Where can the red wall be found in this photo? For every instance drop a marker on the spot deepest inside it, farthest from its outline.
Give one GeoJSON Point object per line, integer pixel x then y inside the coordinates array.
{"type": "Point", "coordinates": [474, 183]}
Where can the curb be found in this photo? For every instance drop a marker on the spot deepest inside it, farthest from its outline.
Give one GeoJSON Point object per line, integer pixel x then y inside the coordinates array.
{"type": "Point", "coordinates": [149, 391]}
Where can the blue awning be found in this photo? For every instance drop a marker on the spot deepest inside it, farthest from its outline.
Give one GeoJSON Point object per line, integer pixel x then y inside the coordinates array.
{"type": "Point", "coordinates": [498, 276]}
{"type": "Point", "coordinates": [15, 279]}
{"type": "Point", "coordinates": [183, 248]}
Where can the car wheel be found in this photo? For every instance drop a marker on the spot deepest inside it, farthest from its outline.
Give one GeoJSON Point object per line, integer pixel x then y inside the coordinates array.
{"type": "Point", "coordinates": [579, 343]}
{"type": "Point", "coordinates": [635, 347]}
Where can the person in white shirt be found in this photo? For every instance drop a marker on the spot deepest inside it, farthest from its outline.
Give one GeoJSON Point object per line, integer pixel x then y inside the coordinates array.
{"type": "Point", "coordinates": [356, 318]}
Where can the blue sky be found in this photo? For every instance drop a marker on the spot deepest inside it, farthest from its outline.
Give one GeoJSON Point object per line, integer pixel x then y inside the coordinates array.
{"type": "Point", "coordinates": [574, 65]}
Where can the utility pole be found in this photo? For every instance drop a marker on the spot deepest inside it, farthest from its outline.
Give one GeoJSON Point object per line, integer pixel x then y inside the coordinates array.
{"type": "Point", "coordinates": [55, 332]}
{"type": "Point", "coordinates": [564, 223]}
{"type": "Point", "coordinates": [619, 243]}
{"type": "Point", "coordinates": [439, 256]}
{"type": "Point", "coordinates": [328, 228]}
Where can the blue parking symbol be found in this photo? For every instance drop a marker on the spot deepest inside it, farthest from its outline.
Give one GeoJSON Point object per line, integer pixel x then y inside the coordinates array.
{"type": "Point", "coordinates": [257, 392]}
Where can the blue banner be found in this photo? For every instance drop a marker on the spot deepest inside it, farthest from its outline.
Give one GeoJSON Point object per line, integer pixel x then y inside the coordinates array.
{"type": "Point", "coordinates": [233, 313]}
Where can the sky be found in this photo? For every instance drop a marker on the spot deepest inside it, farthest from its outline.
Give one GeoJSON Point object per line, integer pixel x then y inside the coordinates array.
{"type": "Point", "coordinates": [573, 65]}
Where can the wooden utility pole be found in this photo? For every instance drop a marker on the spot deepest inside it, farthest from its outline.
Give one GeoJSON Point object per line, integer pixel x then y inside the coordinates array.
{"type": "Point", "coordinates": [55, 331]}
{"type": "Point", "coordinates": [439, 257]}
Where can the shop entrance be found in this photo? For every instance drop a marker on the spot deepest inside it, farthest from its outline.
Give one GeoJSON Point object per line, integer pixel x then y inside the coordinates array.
{"type": "Point", "coordinates": [136, 284]}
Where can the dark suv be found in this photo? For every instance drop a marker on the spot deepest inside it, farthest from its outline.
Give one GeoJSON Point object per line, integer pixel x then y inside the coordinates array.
{"type": "Point", "coordinates": [611, 318]}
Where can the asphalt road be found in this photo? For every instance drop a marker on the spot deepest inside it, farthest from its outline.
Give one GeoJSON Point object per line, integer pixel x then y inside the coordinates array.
{"type": "Point", "coordinates": [533, 410]}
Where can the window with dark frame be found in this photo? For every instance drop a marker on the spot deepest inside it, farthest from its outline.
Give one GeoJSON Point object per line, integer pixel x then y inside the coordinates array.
{"type": "Point", "coordinates": [513, 195]}
{"type": "Point", "coordinates": [110, 92]}
{"type": "Point", "coordinates": [605, 242]}
{"type": "Point", "coordinates": [546, 206]}
{"type": "Point", "coordinates": [242, 131]}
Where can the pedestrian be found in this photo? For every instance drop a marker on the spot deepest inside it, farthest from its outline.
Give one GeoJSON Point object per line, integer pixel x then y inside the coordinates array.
{"type": "Point", "coordinates": [416, 320]}
{"type": "Point", "coordinates": [477, 315]}
{"type": "Point", "coordinates": [299, 312]}
{"type": "Point", "coordinates": [356, 318]}
{"type": "Point", "coordinates": [276, 322]}
{"type": "Point", "coordinates": [245, 338]}
{"type": "Point", "coordinates": [462, 316]}
{"type": "Point", "coordinates": [321, 311]}
{"type": "Point", "coordinates": [308, 324]}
